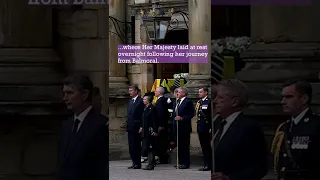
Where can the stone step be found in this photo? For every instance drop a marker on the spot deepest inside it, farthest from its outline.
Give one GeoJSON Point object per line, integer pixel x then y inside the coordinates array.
{"type": "Point", "coordinates": [272, 91]}
{"type": "Point", "coordinates": [30, 93]}
{"type": "Point", "coordinates": [31, 78]}
{"type": "Point", "coordinates": [31, 108]}
{"type": "Point", "coordinates": [28, 55]}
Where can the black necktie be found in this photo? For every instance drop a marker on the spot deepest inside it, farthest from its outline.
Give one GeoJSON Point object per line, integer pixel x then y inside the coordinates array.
{"type": "Point", "coordinates": [75, 126]}
{"type": "Point", "coordinates": [178, 102]}
{"type": "Point", "coordinates": [220, 131]}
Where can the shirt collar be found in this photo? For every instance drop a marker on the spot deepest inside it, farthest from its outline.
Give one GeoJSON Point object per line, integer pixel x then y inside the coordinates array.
{"type": "Point", "coordinates": [203, 99]}
{"type": "Point", "coordinates": [83, 114]}
{"type": "Point", "coordinates": [135, 98]}
{"type": "Point", "coordinates": [300, 116]}
{"type": "Point", "coordinates": [232, 117]}
{"type": "Point", "coordinates": [182, 99]}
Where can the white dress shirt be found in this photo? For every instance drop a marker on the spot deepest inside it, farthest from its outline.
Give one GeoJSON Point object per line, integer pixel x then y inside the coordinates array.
{"type": "Point", "coordinates": [298, 118]}
{"type": "Point", "coordinates": [134, 99]}
{"type": "Point", "coordinates": [82, 116]}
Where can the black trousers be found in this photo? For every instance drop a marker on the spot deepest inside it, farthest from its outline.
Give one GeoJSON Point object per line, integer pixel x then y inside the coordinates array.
{"type": "Point", "coordinates": [149, 146]}
{"type": "Point", "coordinates": [163, 146]}
{"type": "Point", "coordinates": [204, 139]}
{"type": "Point", "coordinates": [184, 149]}
{"type": "Point", "coordinates": [135, 147]}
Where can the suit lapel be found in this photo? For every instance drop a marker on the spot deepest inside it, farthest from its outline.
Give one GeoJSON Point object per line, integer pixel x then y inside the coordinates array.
{"type": "Point", "coordinates": [181, 105]}
{"type": "Point", "coordinates": [230, 131]}
{"type": "Point", "coordinates": [133, 105]}
{"type": "Point", "coordinates": [67, 131]}
{"type": "Point", "coordinates": [79, 135]}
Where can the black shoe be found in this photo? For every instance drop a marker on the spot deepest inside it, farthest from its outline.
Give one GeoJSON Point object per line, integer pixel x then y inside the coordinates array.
{"type": "Point", "coordinates": [204, 168]}
{"type": "Point", "coordinates": [183, 167]}
{"type": "Point", "coordinates": [131, 167]}
{"type": "Point", "coordinates": [136, 167]}
{"type": "Point", "coordinates": [149, 167]}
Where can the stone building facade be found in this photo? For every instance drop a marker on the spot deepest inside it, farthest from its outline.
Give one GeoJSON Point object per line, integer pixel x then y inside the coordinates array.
{"type": "Point", "coordinates": [39, 45]}
{"type": "Point", "coordinates": [143, 74]}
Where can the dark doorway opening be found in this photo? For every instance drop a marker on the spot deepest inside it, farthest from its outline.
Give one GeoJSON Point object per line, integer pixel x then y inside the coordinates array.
{"type": "Point", "coordinates": [167, 70]}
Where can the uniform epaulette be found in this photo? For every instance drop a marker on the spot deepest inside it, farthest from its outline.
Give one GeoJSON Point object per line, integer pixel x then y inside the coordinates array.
{"type": "Point", "coordinates": [281, 125]}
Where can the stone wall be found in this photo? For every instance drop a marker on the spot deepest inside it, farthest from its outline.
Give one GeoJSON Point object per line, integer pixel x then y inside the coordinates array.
{"type": "Point", "coordinates": [83, 43]}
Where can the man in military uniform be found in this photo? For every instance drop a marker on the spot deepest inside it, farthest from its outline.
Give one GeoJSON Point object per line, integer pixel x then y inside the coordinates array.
{"type": "Point", "coordinates": [203, 116]}
{"type": "Point", "coordinates": [296, 145]}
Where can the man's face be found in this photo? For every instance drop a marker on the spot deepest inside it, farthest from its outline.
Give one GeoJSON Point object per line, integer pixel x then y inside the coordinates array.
{"type": "Point", "coordinates": [157, 93]}
{"type": "Point", "coordinates": [202, 93]}
{"type": "Point", "coordinates": [73, 98]}
{"type": "Point", "coordinates": [132, 92]}
{"type": "Point", "coordinates": [292, 101]}
{"type": "Point", "coordinates": [181, 94]}
{"type": "Point", "coordinates": [224, 102]}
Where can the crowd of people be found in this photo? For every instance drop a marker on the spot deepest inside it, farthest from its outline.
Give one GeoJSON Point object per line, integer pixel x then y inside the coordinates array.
{"type": "Point", "coordinates": [149, 123]}
{"type": "Point", "coordinates": [233, 144]}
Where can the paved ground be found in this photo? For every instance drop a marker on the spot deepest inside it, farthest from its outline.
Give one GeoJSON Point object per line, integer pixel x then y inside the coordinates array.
{"type": "Point", "coordinates": [118, 171]}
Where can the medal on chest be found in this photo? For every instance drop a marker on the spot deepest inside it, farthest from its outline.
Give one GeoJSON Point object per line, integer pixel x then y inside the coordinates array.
{"type": "Point", "coordinates": [300, 142]}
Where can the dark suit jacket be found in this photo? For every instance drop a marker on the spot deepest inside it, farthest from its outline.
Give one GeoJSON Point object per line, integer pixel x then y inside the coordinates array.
{"type": "Point", "coordinates": [85, 156]}
{"type": "Point", "coordinates": [186, 111]}
{"type": "Point", "coordinates": [162, 112]}
{"type": "Point", "coordinates": [242, 152]}
{"type": "Point", "coordinates": [149, 120]}
{"type": "Point", "coordinates": [135, 111]}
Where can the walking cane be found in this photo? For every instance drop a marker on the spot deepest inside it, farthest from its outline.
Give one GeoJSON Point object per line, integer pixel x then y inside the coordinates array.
{"type": "Point", "coordinates": [213, 136]}
{"type": "Point", "coordinates": [176, 109]}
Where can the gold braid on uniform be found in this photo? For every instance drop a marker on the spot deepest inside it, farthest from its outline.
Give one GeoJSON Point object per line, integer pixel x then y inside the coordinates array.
{"type": "Point", "coordinates": [276, 146]}
{"type": "Point", "coordinates": [197, 109]}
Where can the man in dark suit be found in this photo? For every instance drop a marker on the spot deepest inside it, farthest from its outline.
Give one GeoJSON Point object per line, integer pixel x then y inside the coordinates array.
{"type": "Point", "coordinates": [135, 110]}
{"type": "Point", "coordinates": [162, 116]}
{"type": "Point", "coordinates": [203, 116]}
{"type": "Point", "coordinates": [83, 146]}
{"type": "Point", "coordinates": [240, 148]}
{"type": "Point", "coordinates": [183, 113]}
{"type": "Point", "coordinates": [296, 145]}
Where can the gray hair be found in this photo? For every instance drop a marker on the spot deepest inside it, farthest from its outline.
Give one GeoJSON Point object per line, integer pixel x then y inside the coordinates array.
{"type": "Point", "coordinates": [161, 90]}
{"type": "Point", "coordinates": [176, 90]}
{"type": "Point", "coordinates": [183, 89]}
{"type": "Point", "coordinates": [238, 89]}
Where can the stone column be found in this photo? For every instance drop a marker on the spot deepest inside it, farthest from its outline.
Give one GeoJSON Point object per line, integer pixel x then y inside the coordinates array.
{"type": "Point", "coordinates": [199, 33]}
{"type": "Point", "coordinates": [84, 45]}
{"type": "Point", "coordinates": [142, 74]}
{"type": "Point", "coordinates": [117, 72]}
{"type": "Point", "coordinates": [286, 49]}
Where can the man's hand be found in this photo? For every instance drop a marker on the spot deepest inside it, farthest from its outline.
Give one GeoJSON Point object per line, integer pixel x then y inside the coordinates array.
{"type": "Point", "coordinates": [178, 118]}
{"type": "Point", "coordinates": [219, 176]}
{"type": "Point", "coordinates": [209, 130]}
{"type": "Point", "coordinates": [140, 130]}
